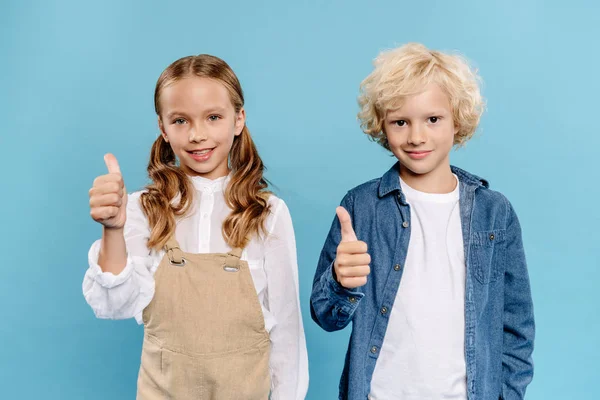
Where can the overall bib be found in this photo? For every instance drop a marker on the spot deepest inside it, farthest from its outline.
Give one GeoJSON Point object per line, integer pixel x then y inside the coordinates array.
{"type": "Point", "coordinates": [204, 331]}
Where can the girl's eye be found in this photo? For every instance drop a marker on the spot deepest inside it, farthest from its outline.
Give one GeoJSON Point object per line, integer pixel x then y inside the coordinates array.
{"type": "Point", "coordinates": [433, 120]}
{"type": "Point", "coordinates": [179, 121]}
{"type": "Point", "coordinates": [400, 122]}
{"type": "Point", "coordinates": [214, 118]}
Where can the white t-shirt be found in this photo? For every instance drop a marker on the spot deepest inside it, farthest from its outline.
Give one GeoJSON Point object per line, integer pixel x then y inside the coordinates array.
{"type": "Point", "coordinates": [271, 258]}
{"type": "Point", "coordinates": [423, 353]}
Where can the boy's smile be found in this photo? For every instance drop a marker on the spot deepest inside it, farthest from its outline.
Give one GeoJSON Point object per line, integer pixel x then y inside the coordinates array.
{"type": "Point", "coordinates": [418, 155]}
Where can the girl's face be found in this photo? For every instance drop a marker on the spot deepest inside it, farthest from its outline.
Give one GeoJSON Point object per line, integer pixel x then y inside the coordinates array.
{"type": "Point", "coordinates": [199, 121]}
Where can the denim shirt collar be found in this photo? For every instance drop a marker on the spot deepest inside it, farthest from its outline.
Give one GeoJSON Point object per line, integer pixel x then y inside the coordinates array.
{"type": "Point", "coordinates": [390, 183]}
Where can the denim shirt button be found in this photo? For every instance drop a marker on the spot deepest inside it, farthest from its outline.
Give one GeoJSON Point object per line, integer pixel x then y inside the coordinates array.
{"type": "Point", "coordinates": [384, 310]}
{"type": "Point", "coordinates": [492, 237]}
{"type": "Point", "coordinates": [397, 267]}
{"type": "Point", "coordinates": [374, 349]}
{"type": "Point", "coordinates": [405, 224]}
{"type": "Point", "coordinates": [352, 299]}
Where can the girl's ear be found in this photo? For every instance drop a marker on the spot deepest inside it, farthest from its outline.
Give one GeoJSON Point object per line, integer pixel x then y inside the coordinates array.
{"type": "Point", "coordinates": [240, 121]}
{"type": "Point", "coordinates": [162, 130]}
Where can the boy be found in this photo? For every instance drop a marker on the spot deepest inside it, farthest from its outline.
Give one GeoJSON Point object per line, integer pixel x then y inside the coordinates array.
{"type": "Point", "coordinates": [426, 261]}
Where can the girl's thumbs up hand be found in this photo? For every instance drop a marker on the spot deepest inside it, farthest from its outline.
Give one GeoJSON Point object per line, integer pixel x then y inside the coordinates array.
{"type": "Point", "coordinates": [108, 197]}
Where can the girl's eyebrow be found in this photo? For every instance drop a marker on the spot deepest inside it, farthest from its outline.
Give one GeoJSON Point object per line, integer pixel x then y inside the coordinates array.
{"type": "Point", "coordinates": [173, 113]}
{"type": "Point", "coordinates": [211, 110]}
{"type": "Point", "coordinates": [216, 109]}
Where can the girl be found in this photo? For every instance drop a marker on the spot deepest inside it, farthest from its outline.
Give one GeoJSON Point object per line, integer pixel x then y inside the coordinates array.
{"type": "Point", "coordinates": [205, 256]}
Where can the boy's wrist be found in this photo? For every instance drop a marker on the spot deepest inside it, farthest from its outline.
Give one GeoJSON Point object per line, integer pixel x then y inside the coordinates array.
{"type": "Point", "coordinates": [333, 274]}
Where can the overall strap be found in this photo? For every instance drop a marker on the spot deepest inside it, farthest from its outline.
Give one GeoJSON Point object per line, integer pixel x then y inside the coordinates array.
{"type": "Point", "coordinates": [233, 257]}
{"type": "Point", "coordinates": [173, 251]}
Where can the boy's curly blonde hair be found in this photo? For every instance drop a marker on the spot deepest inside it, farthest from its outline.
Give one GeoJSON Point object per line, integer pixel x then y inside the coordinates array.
{"type": "Point", "coordinates": [406, 71]}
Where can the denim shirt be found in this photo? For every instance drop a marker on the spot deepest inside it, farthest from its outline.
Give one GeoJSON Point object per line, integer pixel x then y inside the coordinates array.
{"type": "Point", "coordinates": [499, 323]}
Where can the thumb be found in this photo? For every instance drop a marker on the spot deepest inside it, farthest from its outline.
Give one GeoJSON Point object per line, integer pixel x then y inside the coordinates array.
{"type": "Point", "coordinates": [112, 164]}
{"type": "Point", "coordinates": [348, 234]}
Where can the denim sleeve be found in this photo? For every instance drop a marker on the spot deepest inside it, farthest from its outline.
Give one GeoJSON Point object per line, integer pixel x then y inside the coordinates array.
{"type": "Point", "coordinates": [519, 326]}
{"type": "Point", "coordinates": [331, 304]}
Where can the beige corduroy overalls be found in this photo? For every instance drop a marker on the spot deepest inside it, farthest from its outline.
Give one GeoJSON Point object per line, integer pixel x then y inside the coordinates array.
{"type": "Point", "coordinates": [204, 335]}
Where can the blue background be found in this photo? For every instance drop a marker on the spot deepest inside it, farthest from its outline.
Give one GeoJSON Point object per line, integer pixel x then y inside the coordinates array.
{"type": "Point", "coordinates": [77, 80]}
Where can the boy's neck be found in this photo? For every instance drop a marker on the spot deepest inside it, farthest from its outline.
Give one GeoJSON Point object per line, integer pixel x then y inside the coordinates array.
{"type": "Point", "coordinates": [440, 180]}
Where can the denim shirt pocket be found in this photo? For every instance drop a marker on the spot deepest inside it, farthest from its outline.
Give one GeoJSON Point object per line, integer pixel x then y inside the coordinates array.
{"type": "Point", "coordinates": [488, 255]}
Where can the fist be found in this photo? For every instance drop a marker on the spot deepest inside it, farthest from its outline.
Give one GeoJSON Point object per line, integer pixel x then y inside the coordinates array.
{"type": "Point", "coordinates": [108, 197]}
{"type": "Point", "coordinates": [352, 260]}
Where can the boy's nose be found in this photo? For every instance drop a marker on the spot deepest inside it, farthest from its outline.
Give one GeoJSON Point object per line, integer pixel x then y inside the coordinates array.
{"type": "Point", "coordinates": [417, 136]}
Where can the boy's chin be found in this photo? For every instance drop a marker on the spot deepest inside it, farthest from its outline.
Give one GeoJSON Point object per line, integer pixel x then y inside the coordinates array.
{"type": "Point", "coordinates": [416, 170]}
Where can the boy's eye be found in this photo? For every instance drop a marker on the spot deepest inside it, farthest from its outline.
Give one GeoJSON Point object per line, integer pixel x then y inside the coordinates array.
{"type": "Point", "coordinates": [400, 122]}
{"type": "Point", "coordinates": [179, 121]}
{"type": "Point", "coordinates": [214, 118]}
{"type": "Point", "coordinates": [433, 120]}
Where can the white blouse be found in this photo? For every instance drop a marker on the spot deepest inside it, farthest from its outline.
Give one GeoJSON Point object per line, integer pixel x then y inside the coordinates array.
{"type": "Point", "coordinates": [271, 258]}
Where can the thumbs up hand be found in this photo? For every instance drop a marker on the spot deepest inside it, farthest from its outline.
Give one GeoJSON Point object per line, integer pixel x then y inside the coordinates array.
{"type": "Point", "coordinates": [352, 261]}
{"type": "Point", "coordinates": [108, 197]}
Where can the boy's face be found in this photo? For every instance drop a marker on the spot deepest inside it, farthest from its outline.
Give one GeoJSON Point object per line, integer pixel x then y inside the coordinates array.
{"type": "Point", "coordinates": [421, 133]}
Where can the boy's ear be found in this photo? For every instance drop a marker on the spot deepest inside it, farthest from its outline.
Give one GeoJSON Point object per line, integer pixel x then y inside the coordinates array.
{"type": "Point", "coordinates": [162, 130]}
{"type": "Point", "coordinates": [384, 132]}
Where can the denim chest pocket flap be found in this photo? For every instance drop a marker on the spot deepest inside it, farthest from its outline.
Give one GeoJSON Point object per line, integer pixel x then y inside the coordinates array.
{"type": "Point", "coordinates": [488, 255]}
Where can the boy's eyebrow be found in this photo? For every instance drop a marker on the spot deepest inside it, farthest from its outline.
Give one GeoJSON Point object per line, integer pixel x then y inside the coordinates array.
{"type": "Point", "coordinates": [437, 112]}
{"type": "Point", "coordinates": [398, 115]}
{"type": "Point", "coordinates": [394, 116]}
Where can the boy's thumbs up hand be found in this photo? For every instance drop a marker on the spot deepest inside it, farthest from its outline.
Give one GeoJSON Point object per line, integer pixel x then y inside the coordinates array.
{"type": "Point", "coordinates": [352, 261]}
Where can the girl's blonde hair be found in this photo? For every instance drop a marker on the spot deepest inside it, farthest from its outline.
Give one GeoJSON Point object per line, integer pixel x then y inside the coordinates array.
{"type": "Point", "coordinates": [170, 195]}
{"type": "Point", "coordinates": [406, 71]}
